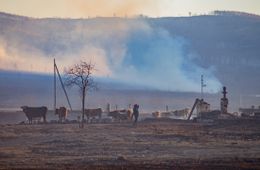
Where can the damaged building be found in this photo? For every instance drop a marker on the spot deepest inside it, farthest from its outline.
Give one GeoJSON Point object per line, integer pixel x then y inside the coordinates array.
{"type": "Point", "coordinates": [250, 112]}
{"type": "Point", "coordinates": [204, 112]}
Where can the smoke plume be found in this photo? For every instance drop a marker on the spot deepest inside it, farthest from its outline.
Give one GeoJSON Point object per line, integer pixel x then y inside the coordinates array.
{"type": "Point", "coordinates": [128, 50]}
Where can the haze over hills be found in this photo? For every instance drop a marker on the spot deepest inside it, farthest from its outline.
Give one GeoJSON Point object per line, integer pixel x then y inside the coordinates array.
{"type": "Point", "coordinates": [151, 53]}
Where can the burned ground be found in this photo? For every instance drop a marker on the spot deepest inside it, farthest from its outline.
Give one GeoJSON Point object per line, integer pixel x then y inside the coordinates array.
{"type": "Point", "coordinates": [153, 144]}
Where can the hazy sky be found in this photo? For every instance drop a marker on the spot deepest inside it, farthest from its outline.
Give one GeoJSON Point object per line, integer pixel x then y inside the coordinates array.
{"type": "Point", "coordinates": [153, 8]}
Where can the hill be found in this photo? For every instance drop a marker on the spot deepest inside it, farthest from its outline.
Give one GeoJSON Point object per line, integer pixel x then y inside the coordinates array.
{"type": "Point", "coordinates": [167, 54]}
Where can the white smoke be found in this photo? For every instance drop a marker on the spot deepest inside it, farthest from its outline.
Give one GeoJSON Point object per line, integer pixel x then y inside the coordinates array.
{"type": "Point", "coordinates": [132, 51]}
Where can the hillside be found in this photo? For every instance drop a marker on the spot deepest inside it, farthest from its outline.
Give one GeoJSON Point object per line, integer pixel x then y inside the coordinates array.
{"type": "Point", "coordinates": [223, 47]}
{"type": "Point", "coordinates": [229, 43]}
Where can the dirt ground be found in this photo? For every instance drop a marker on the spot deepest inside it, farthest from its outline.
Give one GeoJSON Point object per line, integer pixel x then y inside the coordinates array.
{"type": "Point", "coordinates": [152, 144]}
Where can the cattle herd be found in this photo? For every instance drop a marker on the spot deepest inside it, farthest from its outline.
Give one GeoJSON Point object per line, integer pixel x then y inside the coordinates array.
{"type": "Point", "coordinates": [38, 113]}
{"type": "Point", "coordinates": [92, 115]}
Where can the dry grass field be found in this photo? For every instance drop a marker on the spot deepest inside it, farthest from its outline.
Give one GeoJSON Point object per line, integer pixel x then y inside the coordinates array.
{"type": "Point", "coordinates": [152, 144]}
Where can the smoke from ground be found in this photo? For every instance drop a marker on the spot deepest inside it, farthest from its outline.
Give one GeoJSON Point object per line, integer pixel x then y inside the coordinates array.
{"type": "Point", "coordinates": [132, 51]}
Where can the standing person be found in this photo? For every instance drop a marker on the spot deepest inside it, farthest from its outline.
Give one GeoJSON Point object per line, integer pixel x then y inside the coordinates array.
{"type": "Point", "coordinates": [136, 113]}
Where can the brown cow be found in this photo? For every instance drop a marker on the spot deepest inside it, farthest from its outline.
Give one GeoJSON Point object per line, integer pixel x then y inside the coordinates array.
{"type": "Point", "coordinates": [93, 113]}
{"type": "Point", "coordinates": [62, 112]}
{"type": "Point", "coordinates": [35, 112]}
{"type": "Point", "coordinates": [120, 115]}
{"type": "Point", "coordinates": [156, 114]}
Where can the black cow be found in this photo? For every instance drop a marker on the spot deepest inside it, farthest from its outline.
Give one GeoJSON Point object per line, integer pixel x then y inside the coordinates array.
{"type": "Point", "coordinates": [34, 112]}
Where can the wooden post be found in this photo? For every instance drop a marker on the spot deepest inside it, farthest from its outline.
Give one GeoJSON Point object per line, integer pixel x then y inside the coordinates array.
{"type": "Point", "coordinates": [54, 87]}
{"type": "Point", "coordinates": [202, 86]}
{"type": "Point", "coordinates": [63, 87]}
{"type": "Point", "coordinates": [108, 107]}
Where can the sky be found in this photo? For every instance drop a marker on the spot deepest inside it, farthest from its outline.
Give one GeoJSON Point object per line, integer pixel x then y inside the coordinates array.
{"type": "Point", "coordinates": [122, 8]}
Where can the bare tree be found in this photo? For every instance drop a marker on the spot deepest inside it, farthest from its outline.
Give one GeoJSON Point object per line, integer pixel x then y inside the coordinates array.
{"type": "Point", "coordinates": [81, 75]}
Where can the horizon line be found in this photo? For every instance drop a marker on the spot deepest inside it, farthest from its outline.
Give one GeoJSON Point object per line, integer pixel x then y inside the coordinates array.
{"type": "Point", "coordinates": [211, 13]}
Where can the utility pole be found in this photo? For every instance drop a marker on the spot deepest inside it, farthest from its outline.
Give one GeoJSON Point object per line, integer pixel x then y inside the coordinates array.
{"type": "Point", "coordinates": [202, 86]}
{"type": "Point", "coordinates": [54, 88]}
{"type": "Point", "coordinates": [62, 85]}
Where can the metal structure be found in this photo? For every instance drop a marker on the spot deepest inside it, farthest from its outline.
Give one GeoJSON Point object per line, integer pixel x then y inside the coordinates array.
{"type": "Point", "coordinates": [224, 101]}
{"type": "Point", "coordinates": [56, 72]}
{"type": "Point", "coordinates": [198, 101]}
{"type": "Point", "coordinates": [202, 85]}
{"type": "Point", "coordinates": [201, 105]}
{"type": "Point", "coordinates": [193, 107]}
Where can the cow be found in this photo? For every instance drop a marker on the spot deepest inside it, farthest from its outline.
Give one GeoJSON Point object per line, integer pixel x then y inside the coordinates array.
{"type": "Point", "coordinates": [120, 115]}
{"type": "Point", "coordinates": [156, 114]}
{"type": "Point", "coordinates": [128, 114]}
{"type": "Point", "coordinates": [35, 112]}
{"type": "Point", "coordinates": [62, 112]}
{"type": "Point", "coordinates": [93, 113]}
